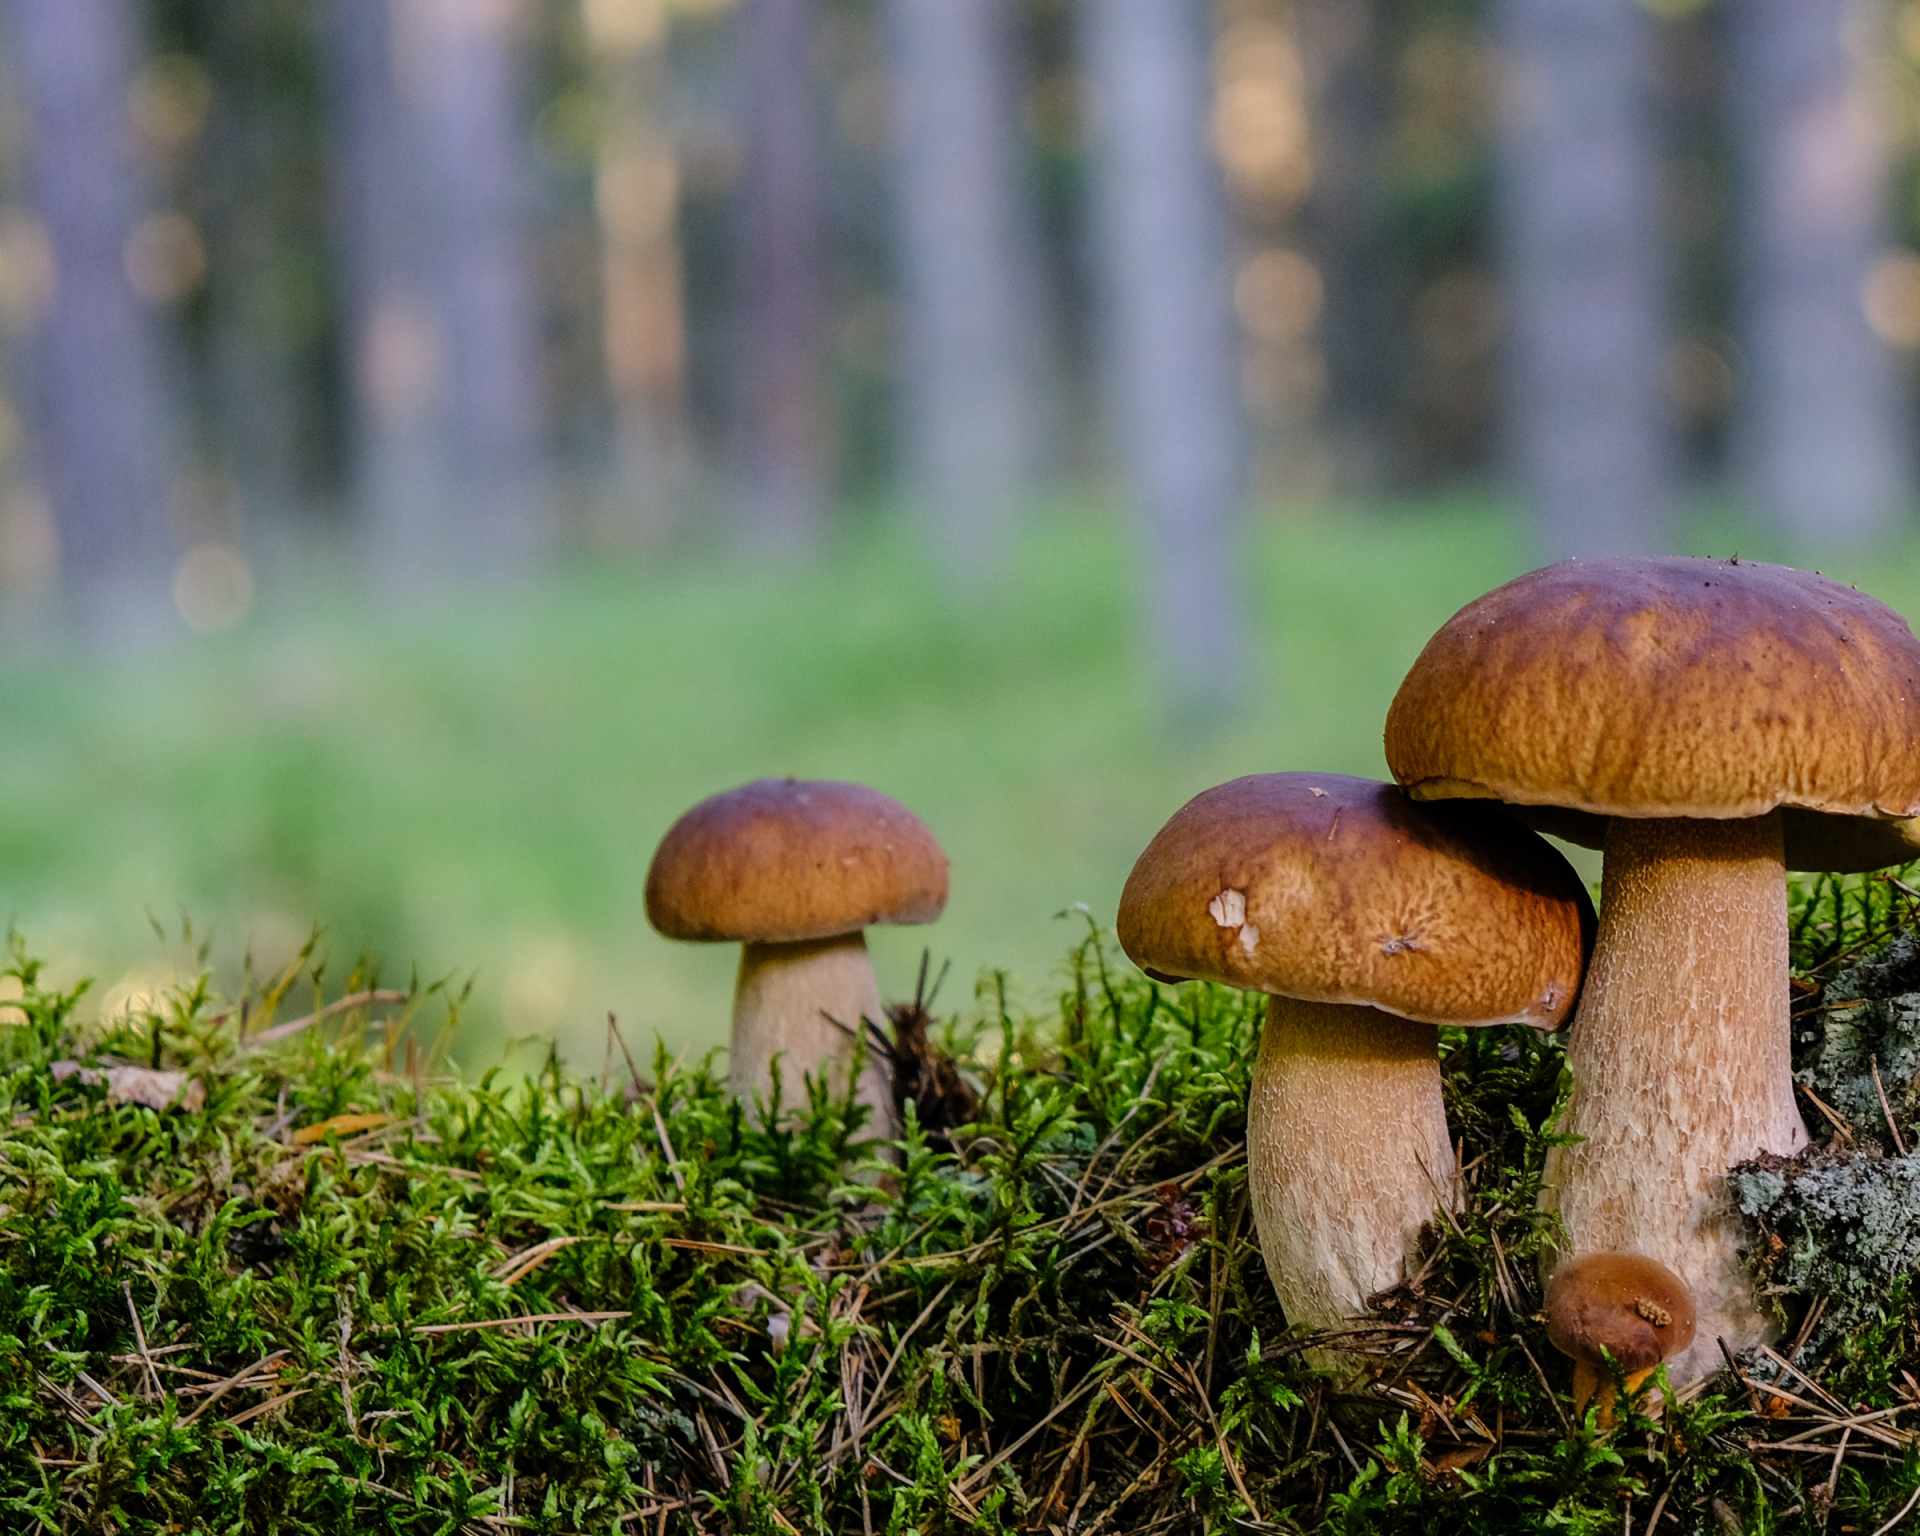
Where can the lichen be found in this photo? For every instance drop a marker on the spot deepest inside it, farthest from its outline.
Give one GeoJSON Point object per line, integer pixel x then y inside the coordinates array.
{"type": "Point", "coordinates": [1840, 1225]}
{"type": "Point", "coordinates": [1869, 1018]}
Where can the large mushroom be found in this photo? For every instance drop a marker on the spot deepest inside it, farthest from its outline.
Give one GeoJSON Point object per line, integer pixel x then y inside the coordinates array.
{"type": "Point", "coordinates": [1709, 723]}
{"type": "Point", "coordinates": [1368, 919]}
{"type": "Point", "coordinates": [794, 871]}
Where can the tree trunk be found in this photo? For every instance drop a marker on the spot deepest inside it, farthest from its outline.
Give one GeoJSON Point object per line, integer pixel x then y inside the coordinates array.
{"type": "Point", "coordinates": [1583, 274]}
{"type": "Point", "coordinates": [1343, 51]}
{"type": "Point", "coordinates": [102, 427]}
{"type": "Point", "coordinates": [1169, 340]}
{"type": "Point", "coordinates": [460, 69]}
{"type": "Point", "coordinates": [643, 325]}
{"type": "Point", "coordinates": [1820, 440]}
{"type": "Point", "coordinates": [977, 422]}
{"type": "Point", "coordinates": [785, 418]}
{"type": "Point", "coordinates": [265, 407]}
{"type": "Point", "coordinates": [28, 538]}
{"type": "Point", "coordinates": [442, 322]}
{"type": "Point", "coordinates": [396, 351]}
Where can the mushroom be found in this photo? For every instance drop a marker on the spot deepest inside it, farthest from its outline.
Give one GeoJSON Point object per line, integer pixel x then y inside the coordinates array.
{"type": "Point", "coordinates": [794, 870]}
{"type": "Point", "coordinates": [1709, 723]}
{"type": "Point", "coordinates": [1368, 919]}
{"type": "Point", "coordinates": [1622, 1307]}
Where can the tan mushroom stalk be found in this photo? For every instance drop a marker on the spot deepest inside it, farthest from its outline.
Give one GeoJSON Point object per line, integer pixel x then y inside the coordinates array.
{"type": "Point", "coordinates": [1623, 1307]}
{"type": "Point", "coordinates": [794, 871]}
{"type": "Point", "coordinates": [1709, 723]}
{"type": "Point", "coordinates": [1368, 919]}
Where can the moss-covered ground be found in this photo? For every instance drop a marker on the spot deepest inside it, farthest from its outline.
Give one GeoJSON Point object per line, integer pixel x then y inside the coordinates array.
{"type": "Point", "coordinates": [323, 1288]}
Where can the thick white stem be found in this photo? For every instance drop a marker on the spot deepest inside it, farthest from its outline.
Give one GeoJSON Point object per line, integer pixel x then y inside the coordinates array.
{"type": "Point", "coordinates": [1681, 1063]}
{"type": "Point", "coordinates": [1347, 1152]}
{"type": "Point", "coordinates": [785, 1005]}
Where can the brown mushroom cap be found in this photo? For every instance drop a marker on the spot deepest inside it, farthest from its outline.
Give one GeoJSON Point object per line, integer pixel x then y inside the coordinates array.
{"type": "Point", "coordinates": [1633, 1307]}
{"type": "Point", "coordinates": [1342, 890]}
{"type": "Point", "coordinates": [785, 860]}
{"type": "Point", "coordinates": [1675, 688]}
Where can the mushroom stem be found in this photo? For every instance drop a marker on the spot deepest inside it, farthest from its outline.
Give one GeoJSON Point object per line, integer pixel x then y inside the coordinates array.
{"type": "Point", "coordinates": [1680, 1057]}
{"type": "Point", "coordinates": [1348, 1154]}
{"type": "Point", "coordinates": [1590, 1382]}
{"type": "Point", "coordinates": [785, 1005]}
{"type": "Point", "coordinates": [1593, 1383]}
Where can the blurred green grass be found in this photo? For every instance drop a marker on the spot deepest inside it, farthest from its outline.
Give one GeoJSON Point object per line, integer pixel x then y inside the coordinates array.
{"type": "Point", "coordinates": [475, 785]}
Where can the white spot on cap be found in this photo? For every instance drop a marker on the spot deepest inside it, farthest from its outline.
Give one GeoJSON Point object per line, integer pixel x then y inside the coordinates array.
{"type": "Point", "coordinates": [1249, 938]}
{"type": "Point", "coordinates": [1229, 908]}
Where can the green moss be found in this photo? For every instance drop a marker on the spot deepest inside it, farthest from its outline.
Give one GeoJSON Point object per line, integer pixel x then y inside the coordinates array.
{"type": "Point", "coordinates": [255, 1315]}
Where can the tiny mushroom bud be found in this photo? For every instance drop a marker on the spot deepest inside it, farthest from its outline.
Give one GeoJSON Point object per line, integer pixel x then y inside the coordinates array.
{"type": "Point", "coordinates": [794, 870]}
{"type": "Point", "coordinates": [1710, 724]}
{"type": "Point", "coordinates": [1368, 919]}
{"type": "Point", "coordinates": [1622, 1306]}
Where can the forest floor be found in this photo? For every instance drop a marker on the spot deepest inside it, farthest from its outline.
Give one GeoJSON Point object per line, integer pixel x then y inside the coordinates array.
{"type": "Point", "coordinates": [485, 773]}
{"type": "Point", "coordinates": [265, 1267]}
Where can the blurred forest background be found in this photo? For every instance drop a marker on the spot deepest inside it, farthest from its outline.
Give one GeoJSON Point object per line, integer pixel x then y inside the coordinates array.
{"type": "Point", "coordinates": [442, 439]}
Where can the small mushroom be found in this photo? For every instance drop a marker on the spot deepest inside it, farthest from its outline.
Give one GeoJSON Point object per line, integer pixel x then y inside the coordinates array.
{"type": "Point", "coordinates": [794, 871]}
{"type": "Point", "coordinates": [1711, 724]}
{"type": "Point", "coordinates": [1368, 919]}
{"type": "Point", "coordinates": [1620, 1306]}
